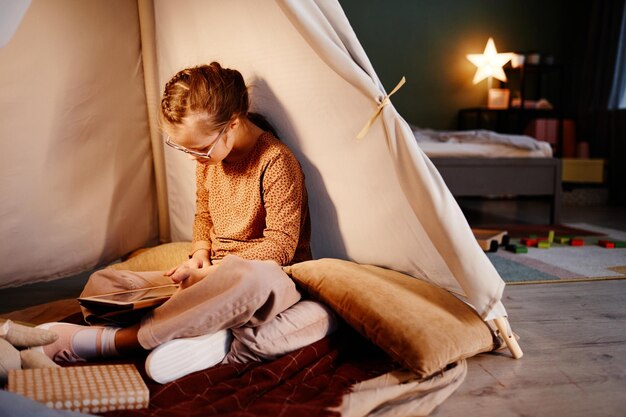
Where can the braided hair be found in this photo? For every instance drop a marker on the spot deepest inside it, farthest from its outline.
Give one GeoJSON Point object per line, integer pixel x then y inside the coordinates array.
{"type": "Point", "coordinates": [220, 92]}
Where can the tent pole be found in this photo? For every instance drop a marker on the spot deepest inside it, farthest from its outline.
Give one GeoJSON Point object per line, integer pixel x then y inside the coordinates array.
{"type": "Point", "coordinates": [151, 81]}
{"type": "Point", "coordinates": [506, 333]}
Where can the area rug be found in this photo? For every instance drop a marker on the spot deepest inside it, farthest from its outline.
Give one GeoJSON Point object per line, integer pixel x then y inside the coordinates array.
{"type": "Point", "coordinates": [562, 262]}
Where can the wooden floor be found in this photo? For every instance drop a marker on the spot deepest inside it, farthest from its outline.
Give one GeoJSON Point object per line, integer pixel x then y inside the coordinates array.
{"type": "Point", "coordinates": [574, 341]}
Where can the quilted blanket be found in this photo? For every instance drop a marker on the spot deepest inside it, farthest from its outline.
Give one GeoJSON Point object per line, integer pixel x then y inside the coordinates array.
{"type": "Point", "coordinates": [306, 382]}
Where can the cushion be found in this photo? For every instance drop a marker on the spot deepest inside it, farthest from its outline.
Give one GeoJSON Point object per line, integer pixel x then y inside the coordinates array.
{"type": "Point", "coordinates": [420, 325]}
{"type": "Point", "coordinates": [157, 258]}
{"type": "Point", "coordinates": [300, 325]}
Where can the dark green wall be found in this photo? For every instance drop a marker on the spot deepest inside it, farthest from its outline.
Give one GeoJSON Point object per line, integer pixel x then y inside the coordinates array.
{"type": "Point", "coordinates": [427, 40]}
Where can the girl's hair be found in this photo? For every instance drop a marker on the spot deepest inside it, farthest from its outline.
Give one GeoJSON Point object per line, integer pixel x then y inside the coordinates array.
{"type": "Point", "coordinates": [220, 92]}
{"type": "Point", "coordinates": [261, 121]}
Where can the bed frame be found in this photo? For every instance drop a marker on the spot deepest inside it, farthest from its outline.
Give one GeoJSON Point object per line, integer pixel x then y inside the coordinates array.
{"type": "Point", "coordinates": [472, 177]}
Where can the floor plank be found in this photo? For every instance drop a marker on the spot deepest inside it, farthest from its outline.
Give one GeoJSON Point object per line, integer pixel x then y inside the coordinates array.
{"type": "Point", "coordinates": [574, 341]}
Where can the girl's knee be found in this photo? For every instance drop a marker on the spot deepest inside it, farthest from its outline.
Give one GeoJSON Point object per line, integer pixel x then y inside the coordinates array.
{"type": "Point", "coordinates": [105, 281]}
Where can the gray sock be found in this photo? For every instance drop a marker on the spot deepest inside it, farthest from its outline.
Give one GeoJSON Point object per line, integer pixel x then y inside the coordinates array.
{"type": "Point", "coordinates": [95, 342]}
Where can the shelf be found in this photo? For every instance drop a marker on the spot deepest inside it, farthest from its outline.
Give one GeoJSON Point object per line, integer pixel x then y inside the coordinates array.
{"type": "Point", "coordinates": [526, 83]}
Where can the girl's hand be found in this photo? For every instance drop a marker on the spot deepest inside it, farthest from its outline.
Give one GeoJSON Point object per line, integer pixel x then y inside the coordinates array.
{"type": "Point", "coordinates": [188, 276]}
{"type": "Point", "coordinates": [194, 267]}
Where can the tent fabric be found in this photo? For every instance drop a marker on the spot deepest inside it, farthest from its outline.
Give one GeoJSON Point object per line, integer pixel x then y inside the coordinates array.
{"type": "Point", "coordinates": [77, 179]}
{"type": "Point", "coordinates": [375, 201]}
{"type": "Point", "coordinates": [86, 192]}
{"type": "Point", "coordinates": [153, 100]}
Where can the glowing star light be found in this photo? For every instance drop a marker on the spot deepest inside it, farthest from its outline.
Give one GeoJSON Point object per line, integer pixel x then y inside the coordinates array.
{"type": "Point", "coordinates": [489, 63]}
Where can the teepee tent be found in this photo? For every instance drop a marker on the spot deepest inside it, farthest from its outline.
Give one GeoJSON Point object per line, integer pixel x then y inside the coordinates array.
{"type": "Point", "coordinates": [86, 178]}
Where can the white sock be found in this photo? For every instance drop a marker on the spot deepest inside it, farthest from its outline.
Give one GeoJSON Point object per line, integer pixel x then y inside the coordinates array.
{"type": "Point", "coordinates": [95, 342]}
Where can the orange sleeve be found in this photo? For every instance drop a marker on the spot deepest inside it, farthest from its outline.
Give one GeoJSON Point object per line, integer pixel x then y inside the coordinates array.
{"type": "Point", "coordinates": [202, 223]}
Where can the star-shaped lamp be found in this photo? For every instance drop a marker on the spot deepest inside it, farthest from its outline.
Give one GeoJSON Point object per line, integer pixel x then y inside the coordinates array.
{"type": "Point", "coordinates": [489, 63]}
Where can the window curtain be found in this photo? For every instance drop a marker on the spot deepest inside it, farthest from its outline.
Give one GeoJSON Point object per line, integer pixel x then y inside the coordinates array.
{"type": "Point", "coordinates": [617, 100]}
{"type": "Point", "coordinates": [604, 128]}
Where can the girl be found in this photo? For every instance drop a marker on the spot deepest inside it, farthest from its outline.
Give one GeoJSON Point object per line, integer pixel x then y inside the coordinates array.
{"type": "Point", "coordinates": [251, 202]}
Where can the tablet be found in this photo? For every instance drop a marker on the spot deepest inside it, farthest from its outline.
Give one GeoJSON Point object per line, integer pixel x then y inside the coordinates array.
{"type": "Point", "coordinates": [131, 299]}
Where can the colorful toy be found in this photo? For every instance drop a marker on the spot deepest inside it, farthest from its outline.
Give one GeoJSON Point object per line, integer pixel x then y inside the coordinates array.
{"type": "Point", "coordinates": [606, 244]}
{"type": "Point", "coordinates": [562, 239]}
{"type": "Point", "coordinates": [528, 241]}
{"type": "Point", "coordinates": [544, 245]}
{"type": "Point", "coordinates": [610, 244]}
{"type": "Point", "coordinates": [489, 239]}
{"type": "Point", "coordinates": [517, 249]}
{"type": "Point", "coordinates": [577, 242]}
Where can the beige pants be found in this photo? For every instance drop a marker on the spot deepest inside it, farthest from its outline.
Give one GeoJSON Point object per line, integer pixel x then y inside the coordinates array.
{"type": "Point", "coordinates": [239, 292]}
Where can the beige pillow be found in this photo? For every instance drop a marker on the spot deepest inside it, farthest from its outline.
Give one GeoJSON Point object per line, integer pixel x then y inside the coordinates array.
{"type": "Point", "coordinates": [300, 325]}
{"type": "Point", "coordinates": [423, 327]}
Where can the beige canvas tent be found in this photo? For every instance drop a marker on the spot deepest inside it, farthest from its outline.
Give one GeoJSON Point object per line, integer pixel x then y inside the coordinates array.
{"type": "Point", "coordinates": [85, 177]}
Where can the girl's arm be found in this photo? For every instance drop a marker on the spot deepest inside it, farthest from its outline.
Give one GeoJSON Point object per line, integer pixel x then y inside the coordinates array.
{"type": "Point", "coordinates": [201, 240]}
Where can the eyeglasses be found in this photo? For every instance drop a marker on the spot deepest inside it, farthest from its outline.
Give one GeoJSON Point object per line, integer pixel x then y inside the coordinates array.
{"type": "Point", "coordinates": [176, 146]}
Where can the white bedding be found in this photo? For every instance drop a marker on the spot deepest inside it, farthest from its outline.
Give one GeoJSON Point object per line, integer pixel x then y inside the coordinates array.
{"type": "Point", "coordinates": [481, 150]}
{"type": "Point", "coordinates": [479, 143]}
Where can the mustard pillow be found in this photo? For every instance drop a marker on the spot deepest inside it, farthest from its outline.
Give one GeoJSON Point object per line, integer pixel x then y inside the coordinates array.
{"type": "Point", "coordinates": [157, 258]}
{"type": "Point", "coordinates": [422, 326]}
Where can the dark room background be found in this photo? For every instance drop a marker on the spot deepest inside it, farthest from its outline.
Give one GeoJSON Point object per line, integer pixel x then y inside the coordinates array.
{"type": "Point", "coordinates": [427, 40]}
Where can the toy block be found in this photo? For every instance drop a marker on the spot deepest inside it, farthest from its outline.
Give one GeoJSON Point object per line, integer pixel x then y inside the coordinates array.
{"type": "Point", "coordinates": [528, 242]}
{"type": "Point", "coordinates": [543, 245]}
{"type": "Point", "coordinates": [619, 244]}
{"type": "Point", "coordinates": [517, 249]}
{"type": "Point", "coordinates": [562, 239]}
{"type": "Point", "coordinates": [551, 236]}
{"type": "Point", "coordinates": [489, 239]}
{"type": "Point", "coordinates": [577, 242]}
{"type": "Point", "coordinates": [606, 244]}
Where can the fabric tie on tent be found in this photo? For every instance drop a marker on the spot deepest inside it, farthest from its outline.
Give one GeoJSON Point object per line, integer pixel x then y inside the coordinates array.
{"type": "Point", "coordinates": [383, 102]}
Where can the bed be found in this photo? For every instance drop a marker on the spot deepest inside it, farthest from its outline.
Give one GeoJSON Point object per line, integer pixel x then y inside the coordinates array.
{"type": "Point", "coordinates": [484, 163]}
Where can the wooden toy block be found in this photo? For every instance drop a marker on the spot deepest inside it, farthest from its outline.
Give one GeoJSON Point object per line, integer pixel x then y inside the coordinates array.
{"type": "Point", "coordinates": [577, 242]}
{"type": "Point", "coordinates": [619, 244]}
{"type": "Point", "coordinates": [551, 236]}
{"type": "Point", "coordinates": [517, 249]}
{"type": "Point", "coordinates": [562, 239]}
{"type": "Point", "coordinates": [528, 241]}
{"type": "Point", "coordinates": [489, 239]}
{"type": "Point", "coordinates": [606, 244]}
{"type": "Point", "coordinates": [543, 245]}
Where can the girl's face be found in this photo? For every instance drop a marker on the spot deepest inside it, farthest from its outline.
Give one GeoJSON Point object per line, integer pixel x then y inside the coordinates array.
{"type": "Point", "coordinates": [209, 146]}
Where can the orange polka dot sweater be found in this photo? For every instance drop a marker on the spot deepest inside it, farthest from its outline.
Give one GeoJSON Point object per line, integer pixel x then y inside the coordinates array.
{"type": "Point", "coordinates": [255, 208]}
